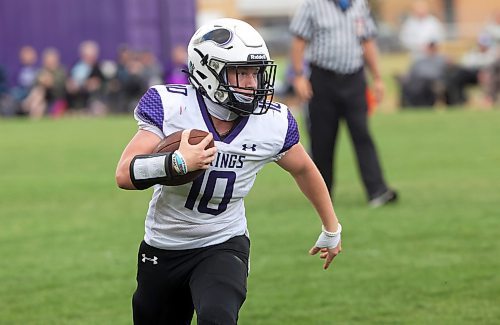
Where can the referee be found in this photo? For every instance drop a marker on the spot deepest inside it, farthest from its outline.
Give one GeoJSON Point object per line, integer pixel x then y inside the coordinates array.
{"type": "Point", "coordinates": [339, 38]}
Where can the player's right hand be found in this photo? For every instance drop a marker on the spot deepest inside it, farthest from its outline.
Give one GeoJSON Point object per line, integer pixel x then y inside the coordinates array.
{"type": "Point", "coordinates": [196, 156]}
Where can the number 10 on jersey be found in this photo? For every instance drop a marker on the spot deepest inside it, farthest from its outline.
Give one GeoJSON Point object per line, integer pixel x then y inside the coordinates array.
{"type": "Point", "coordinates": [213, 177]}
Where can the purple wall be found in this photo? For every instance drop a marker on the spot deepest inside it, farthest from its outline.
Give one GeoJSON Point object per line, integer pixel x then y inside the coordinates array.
{"type": "Point", "coordinates": [157, 25]}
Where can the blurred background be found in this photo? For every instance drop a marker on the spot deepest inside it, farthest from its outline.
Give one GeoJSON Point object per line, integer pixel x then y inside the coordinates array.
{"type": "Point", "coordinates": [129, 45]}
{"type": "Point", "coordinates": [71, 73]}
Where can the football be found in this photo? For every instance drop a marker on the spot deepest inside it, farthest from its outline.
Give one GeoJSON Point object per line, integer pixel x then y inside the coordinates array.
{"type": "Point", "coordinates": [171, 143]}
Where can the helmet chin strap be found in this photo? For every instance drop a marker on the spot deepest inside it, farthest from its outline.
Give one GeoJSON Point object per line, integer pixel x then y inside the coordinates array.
{"type": "Point", "coordinates": [219, 111]}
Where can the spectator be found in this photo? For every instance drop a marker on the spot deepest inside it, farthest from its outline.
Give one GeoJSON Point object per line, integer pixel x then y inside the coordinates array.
{"type": "Point", "coordinates": [124, 57]}
{"type": "Point", "coordinates": [3, 81]}
{"type": "Point", "coordinates": [424, 83]}
{"type": "Point", "coordinates": [473, 69]}
{"type": "Point", "coordinates": [340, 36]}
{"type": "Point", "coordinates": [3, 92]}
{"type": "Point", "coordinates": [492, 28]}
{"type": "Point", "coordinates": [491, 77]}
{"type": "Point", "coordinates": [118, 95]}
{"type": "Point", "coordinates": [152, 70]}
{"type": "Point", "coordinates": [135, 82]}
{"type": "Point", "coordinates": [178, 63]}
{"type": "Point", "coordinates": [26, 77]}
{"type": "Point", "coordinates": [85, 84]}
{"type": "Point", "coordinates": [48, 94]}
{"type": "Point", "coordinates": [491, 82]}
{"type": "Point", "coordinates": [420, 29]}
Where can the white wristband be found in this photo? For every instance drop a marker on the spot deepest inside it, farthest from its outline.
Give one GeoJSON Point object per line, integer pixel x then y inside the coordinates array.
{"type": "Point", "coordinates": [178, 163]}
{"type": "Point", "coordinates": [329, 239]}
{"type": "Point", "coordinates": [332, 234]}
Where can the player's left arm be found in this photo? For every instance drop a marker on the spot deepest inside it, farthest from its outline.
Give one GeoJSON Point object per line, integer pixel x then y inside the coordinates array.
{"type": "Point", "coordinates": [298, 163]}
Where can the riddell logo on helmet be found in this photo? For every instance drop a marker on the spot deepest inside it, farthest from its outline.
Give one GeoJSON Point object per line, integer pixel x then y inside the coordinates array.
{"type": "Point", "coordinates": [257, 57]}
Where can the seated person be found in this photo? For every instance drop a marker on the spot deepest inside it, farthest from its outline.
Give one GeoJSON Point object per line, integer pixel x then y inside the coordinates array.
{"type": "Point", "coordinates": [25, 78]}
{"type": "Point", "coordinates": [48, 94]}
{"type": "Point", "coordinates": [490, 81]}
{"type": "Point", "coordinates": [85, 81]}
{"type": "Point", "coordinates": [471, 70]}
{"type": "Point", "coordinates": [490, 78]}
{"type": "Point", "coordinates": [420, 87]}
{"type": "Point", "coordinates": [3, 91]}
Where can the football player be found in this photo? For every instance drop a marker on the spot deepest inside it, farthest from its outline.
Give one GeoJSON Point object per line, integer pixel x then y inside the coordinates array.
{"type": "Point", "coordinates": [195, 252]}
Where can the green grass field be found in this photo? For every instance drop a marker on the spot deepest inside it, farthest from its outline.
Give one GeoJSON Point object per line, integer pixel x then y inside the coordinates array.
{"type": "Point", "coordinates": [69, 236]}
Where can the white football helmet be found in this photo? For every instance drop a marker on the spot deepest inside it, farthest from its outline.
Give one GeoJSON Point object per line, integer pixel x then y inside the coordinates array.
{"type": "Point", "coordinates": [231, 43]}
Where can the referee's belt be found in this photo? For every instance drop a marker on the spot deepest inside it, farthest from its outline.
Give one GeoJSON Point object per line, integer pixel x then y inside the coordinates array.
{"type": "Point", "coordinates": [323, 70]}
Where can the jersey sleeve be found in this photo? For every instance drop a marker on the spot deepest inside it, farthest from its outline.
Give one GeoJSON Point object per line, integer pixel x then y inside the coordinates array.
{"type": "Point", "coordinates": [301, 24]}
{"type": "Point", "coordinates": [292, 136]}
{"type": "Point", "coordinates": [370, 30]}
{"type": "Point", "coordinates": [149, 113]}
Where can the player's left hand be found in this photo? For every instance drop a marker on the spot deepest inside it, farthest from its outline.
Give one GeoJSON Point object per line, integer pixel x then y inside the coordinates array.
{"type": "Point", "coordinates": [329, 244]}
{"type": "Point", "coordinates": [328, 254]}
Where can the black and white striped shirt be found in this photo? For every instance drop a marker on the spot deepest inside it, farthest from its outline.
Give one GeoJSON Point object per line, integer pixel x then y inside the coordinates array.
{"type": "Point", "coordinates": [334, 36]}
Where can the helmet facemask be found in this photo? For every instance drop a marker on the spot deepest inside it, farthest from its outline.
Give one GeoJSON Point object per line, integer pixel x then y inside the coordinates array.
{"type": "Point", "coordinates": [247, 100]}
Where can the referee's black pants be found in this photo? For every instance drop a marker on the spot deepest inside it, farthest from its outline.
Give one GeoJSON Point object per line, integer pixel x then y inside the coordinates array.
{"type": "Point", "coordinates": [172, 284]}
{"type": "Point", "coordinates": [342, 96]}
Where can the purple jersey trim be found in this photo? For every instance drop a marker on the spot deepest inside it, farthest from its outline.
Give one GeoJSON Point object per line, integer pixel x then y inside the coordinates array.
{"type": "Point", "coordinates": [150, 108]}
{"type": "Point", "coordinates": [206, 117]}
{"type": "Point", "coordinates": [239, 127]}
{"type": "Point", "coordinates": [292, 134]}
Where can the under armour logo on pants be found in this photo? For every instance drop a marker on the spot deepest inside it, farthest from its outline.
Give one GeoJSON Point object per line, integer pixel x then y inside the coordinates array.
{"type": "Point", "coordinates": [154, 259]}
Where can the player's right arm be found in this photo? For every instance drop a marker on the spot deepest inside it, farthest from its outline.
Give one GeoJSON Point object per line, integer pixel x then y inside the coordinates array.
{"type": "Point", "coordinates": [144, 142]}
{"type": "Point", "coordinates": [137, 158]}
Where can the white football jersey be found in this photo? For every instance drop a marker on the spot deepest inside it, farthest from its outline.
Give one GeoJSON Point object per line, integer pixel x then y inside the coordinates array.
{"type": "Point", "coordinates": [209, 210]}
